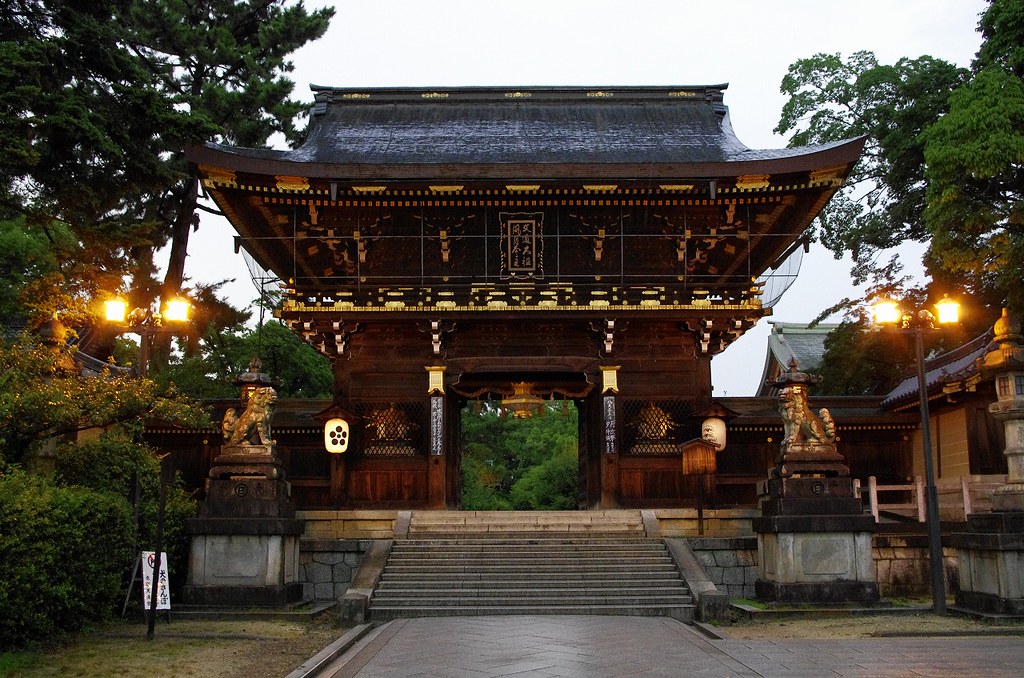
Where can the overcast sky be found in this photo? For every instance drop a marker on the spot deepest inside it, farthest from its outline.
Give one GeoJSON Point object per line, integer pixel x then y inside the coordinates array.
{"type": "Point", "coordinates": [748, 44]}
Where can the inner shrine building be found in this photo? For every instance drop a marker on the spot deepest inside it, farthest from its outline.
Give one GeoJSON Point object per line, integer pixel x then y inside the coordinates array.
{"type": "Point", "coordinates": [449, 245]}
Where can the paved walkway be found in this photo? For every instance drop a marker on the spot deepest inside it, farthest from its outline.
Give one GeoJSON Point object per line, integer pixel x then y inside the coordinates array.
{"type": "Point", "coordinates": [605, 647]}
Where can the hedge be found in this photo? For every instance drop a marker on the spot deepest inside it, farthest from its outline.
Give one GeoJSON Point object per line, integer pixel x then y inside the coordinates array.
{"type": "Point", "coordinates": [63, 552]}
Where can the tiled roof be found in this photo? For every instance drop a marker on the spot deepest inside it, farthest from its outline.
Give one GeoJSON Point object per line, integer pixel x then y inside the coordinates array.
{"type": "Point", "coordinates": [950, 366]}
{"type": "Point", "coordinates": [527, 126]}
{"type": "Point", "coordinates": [789, 341]}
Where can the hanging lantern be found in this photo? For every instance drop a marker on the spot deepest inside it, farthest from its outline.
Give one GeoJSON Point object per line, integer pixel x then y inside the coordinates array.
{"type": "Point", "coordinates": [522, 404]}
{"type": "Point", "coordinates": [336, 435]}
{"type": "Point", "coordinates": [713, 431]}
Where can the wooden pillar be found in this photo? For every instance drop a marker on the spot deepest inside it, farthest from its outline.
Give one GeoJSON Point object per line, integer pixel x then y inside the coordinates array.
{"type": "Point", "coordinates": [611, 436]}
{"type": "Point", "coordinates": [437, 442]}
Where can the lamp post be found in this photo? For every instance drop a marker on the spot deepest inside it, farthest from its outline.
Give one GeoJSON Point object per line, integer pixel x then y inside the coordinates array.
{"type": "Point", "coordinates": [147, 323]}
{"type": "Point", "coordinates": [888, 314]}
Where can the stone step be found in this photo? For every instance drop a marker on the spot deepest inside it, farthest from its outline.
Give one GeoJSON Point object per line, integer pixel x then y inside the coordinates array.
{"type": "Point", "coordinates": [535, 601]}
{"type": "Point", "coordinates": [628, 522]}
{"type": "Point", "coordinates": [520, 547]}
{"type": "Point", "coordinates": [538, 570]}
{"type": "Point", "coordinates": [684, 613]}
{"type": "Point", "coordinates": [532, 593]}
{"type": "Point", "coordinates": [521, 573]}
{"type": "Point", "coordinates": [595, 580]}
{"type": "Point", "coordinates": [520, 559]}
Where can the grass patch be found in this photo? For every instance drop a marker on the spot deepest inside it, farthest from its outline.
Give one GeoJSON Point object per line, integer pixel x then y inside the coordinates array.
{"type": "Point", "coordinates": [749, 602]}
{"type": "Point", "coordinates": [202, 649]}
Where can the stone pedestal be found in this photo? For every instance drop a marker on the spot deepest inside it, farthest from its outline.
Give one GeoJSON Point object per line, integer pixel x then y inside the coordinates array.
{"type": "Point", "coordinates": [992, 563]}
{"type": "Point", "coordinates": [245, 541]}
{"type": "Point", "coordinates": [992, 551]}
{"type": "Point", "coordinates": [814, 543]}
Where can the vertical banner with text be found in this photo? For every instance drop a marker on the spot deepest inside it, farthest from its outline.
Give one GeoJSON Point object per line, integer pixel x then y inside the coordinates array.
{"type": "Point", "coordinates": [163, 591]}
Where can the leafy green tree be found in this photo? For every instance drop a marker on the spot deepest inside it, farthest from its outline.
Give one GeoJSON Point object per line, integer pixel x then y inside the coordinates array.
{"type": "Point", "coordinates": [882, 203]}
{"type": "Point", "coordinates": [66, 542]}
{"type": "Point", "coordinates": [942, 163]}
{"type": "Point", "coordinates": [42, 398]}
{"type": "Point", "coordinates": [98, 100]}
{"type": "Point", "coordinates": [975, 165]}
{"type": "Point", "coordinates": [549, 485]}
{"type": "Point", "coordinates": [223, 353]}
{"type": "Point", "coordinates": [525, 464]}
{"type": "Point", "coordinates": [225, 62]}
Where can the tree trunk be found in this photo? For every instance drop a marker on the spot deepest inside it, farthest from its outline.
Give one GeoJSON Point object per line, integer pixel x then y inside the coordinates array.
{"type": "Point", "coordinates": [180, 230]}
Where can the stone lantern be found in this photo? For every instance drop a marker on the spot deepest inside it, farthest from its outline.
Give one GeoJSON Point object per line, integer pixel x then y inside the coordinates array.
{"type": "Point", "coordinates": [992, 552]}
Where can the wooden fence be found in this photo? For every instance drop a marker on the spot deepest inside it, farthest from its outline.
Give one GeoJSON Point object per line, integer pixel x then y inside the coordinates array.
{"type": "Point", "coordinates": [958, 497]}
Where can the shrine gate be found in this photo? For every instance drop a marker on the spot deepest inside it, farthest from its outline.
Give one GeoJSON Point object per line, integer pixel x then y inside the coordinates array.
{"type": "Point", "coordinates": [444, 245]}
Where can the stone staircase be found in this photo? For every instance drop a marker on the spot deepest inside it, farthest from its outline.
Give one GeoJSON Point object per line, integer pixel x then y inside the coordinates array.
{"type": "Point", "coordinates": [484, 563]}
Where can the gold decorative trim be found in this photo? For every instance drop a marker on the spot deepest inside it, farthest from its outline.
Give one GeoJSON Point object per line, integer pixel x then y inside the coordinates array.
{"type": "Point", "coordinates": [749, 182]}
{"type": "Point", "coordinates": [600, 95]}
{"type": "Point", "coordinates": [217, 175]}
{"type": "Point", "coordinates": [683, 94]}
{"type": "Point", "coordinates": [355, 95]}
{"type": "Point", "coordinates": [369, 189]}
{"type": "Point", "coordinates": [435, 375]}
{"type": "Point", "coordinates": [518, 95]}
{"type": "Point", "coordinates": [285, 183]}
{"type": "Point", "coordinates": [600, 188]}
{"type": "Point", "coordinates": [829, 175]}
{"type": "Point", "coordinates": [435, 95]}
{"type": "Point", "coordinates": [609, 378]}
{"type": "Point", "coordinates": [446, 189]}
{"type": "Point", "coordinates": [676, 187]}
{"type": "Point", "coordinates": [522, 188]}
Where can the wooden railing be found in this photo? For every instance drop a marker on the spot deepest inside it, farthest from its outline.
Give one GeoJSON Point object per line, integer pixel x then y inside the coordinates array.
{"type": "Point", "coordinates": [958, 497]}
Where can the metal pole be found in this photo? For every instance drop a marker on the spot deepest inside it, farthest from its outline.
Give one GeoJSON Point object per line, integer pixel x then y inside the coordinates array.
{"type": "Point", "coordinates": [161, 508]}
{"type": "Point", "coordinates": [145, 336]}
{"type": "Point", "coordinates": [931, 494]}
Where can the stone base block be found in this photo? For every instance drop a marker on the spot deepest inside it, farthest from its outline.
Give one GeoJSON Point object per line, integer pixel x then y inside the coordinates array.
{"type": "Point", "coordinates": [991, 567]}
{"type": "Point", "coordinates": [244, 596]}
{"type": "Point", "coordinates": [818, 592]}
{"type": "Point", "coordinates": [819, 567]}
{"type": "Point", "coordinates": [990, 604]}
{"type": "Point", "coordinates": [247, 497]}
{"type": "Point", "coordinates": [252, 565]}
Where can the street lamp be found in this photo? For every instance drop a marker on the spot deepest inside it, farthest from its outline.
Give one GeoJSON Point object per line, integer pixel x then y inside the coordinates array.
{"type": "Point", "coordinates": [888, 314]}
{"type": "Point", "coordinates": [146, 323]}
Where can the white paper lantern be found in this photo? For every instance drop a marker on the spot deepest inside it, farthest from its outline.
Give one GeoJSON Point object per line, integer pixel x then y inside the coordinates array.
{"type": "Point", "coordinates": [713, 431]}
{"type": "Point", "coordinates": [336, 435]}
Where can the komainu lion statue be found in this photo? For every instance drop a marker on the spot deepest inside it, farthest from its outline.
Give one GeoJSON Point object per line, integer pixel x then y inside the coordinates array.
{"type": "Point", "coordinates": [800, 425]}
{"type": "Point", "coordinates": [254, 422]}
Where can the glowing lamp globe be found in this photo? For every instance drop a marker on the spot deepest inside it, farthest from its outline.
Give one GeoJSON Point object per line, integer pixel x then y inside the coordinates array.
{"type": "Point", "coordinates": [949, 311]}
{"type": "Point", "coordinates": [177, 310]}
{"type": "Point", "coordinates": [115, 310]}
{"type": "Point", "coordinates": [887, 312]}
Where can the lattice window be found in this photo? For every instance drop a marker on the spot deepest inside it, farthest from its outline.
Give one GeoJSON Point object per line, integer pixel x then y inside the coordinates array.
{"type": "Point", "coordinates": [392, 429]}
{"type": "Point", "coordinates": [653, 427]}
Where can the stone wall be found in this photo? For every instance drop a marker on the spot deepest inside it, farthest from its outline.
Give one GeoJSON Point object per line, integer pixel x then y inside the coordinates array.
{"type": "Point", "coordinates": [326, 566]}
{"type": "Point", "coordinates": [901, 565]}
{"type": "Point", "coordinates": [682, 522]}
{"type": "Point", "coordinates": [349, 524]}
{"type": "Point", "coordinates": [731, 563]}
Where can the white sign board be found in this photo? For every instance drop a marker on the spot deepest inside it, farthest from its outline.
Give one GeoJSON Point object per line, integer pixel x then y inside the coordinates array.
{"type": "Point", "coordinates": [163, 591]}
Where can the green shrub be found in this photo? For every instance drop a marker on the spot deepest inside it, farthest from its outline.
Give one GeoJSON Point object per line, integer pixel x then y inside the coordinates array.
{"type": "Point", "coordinates": [62, 554]}
{"type": "Point", "coordinates": [110, 463]}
